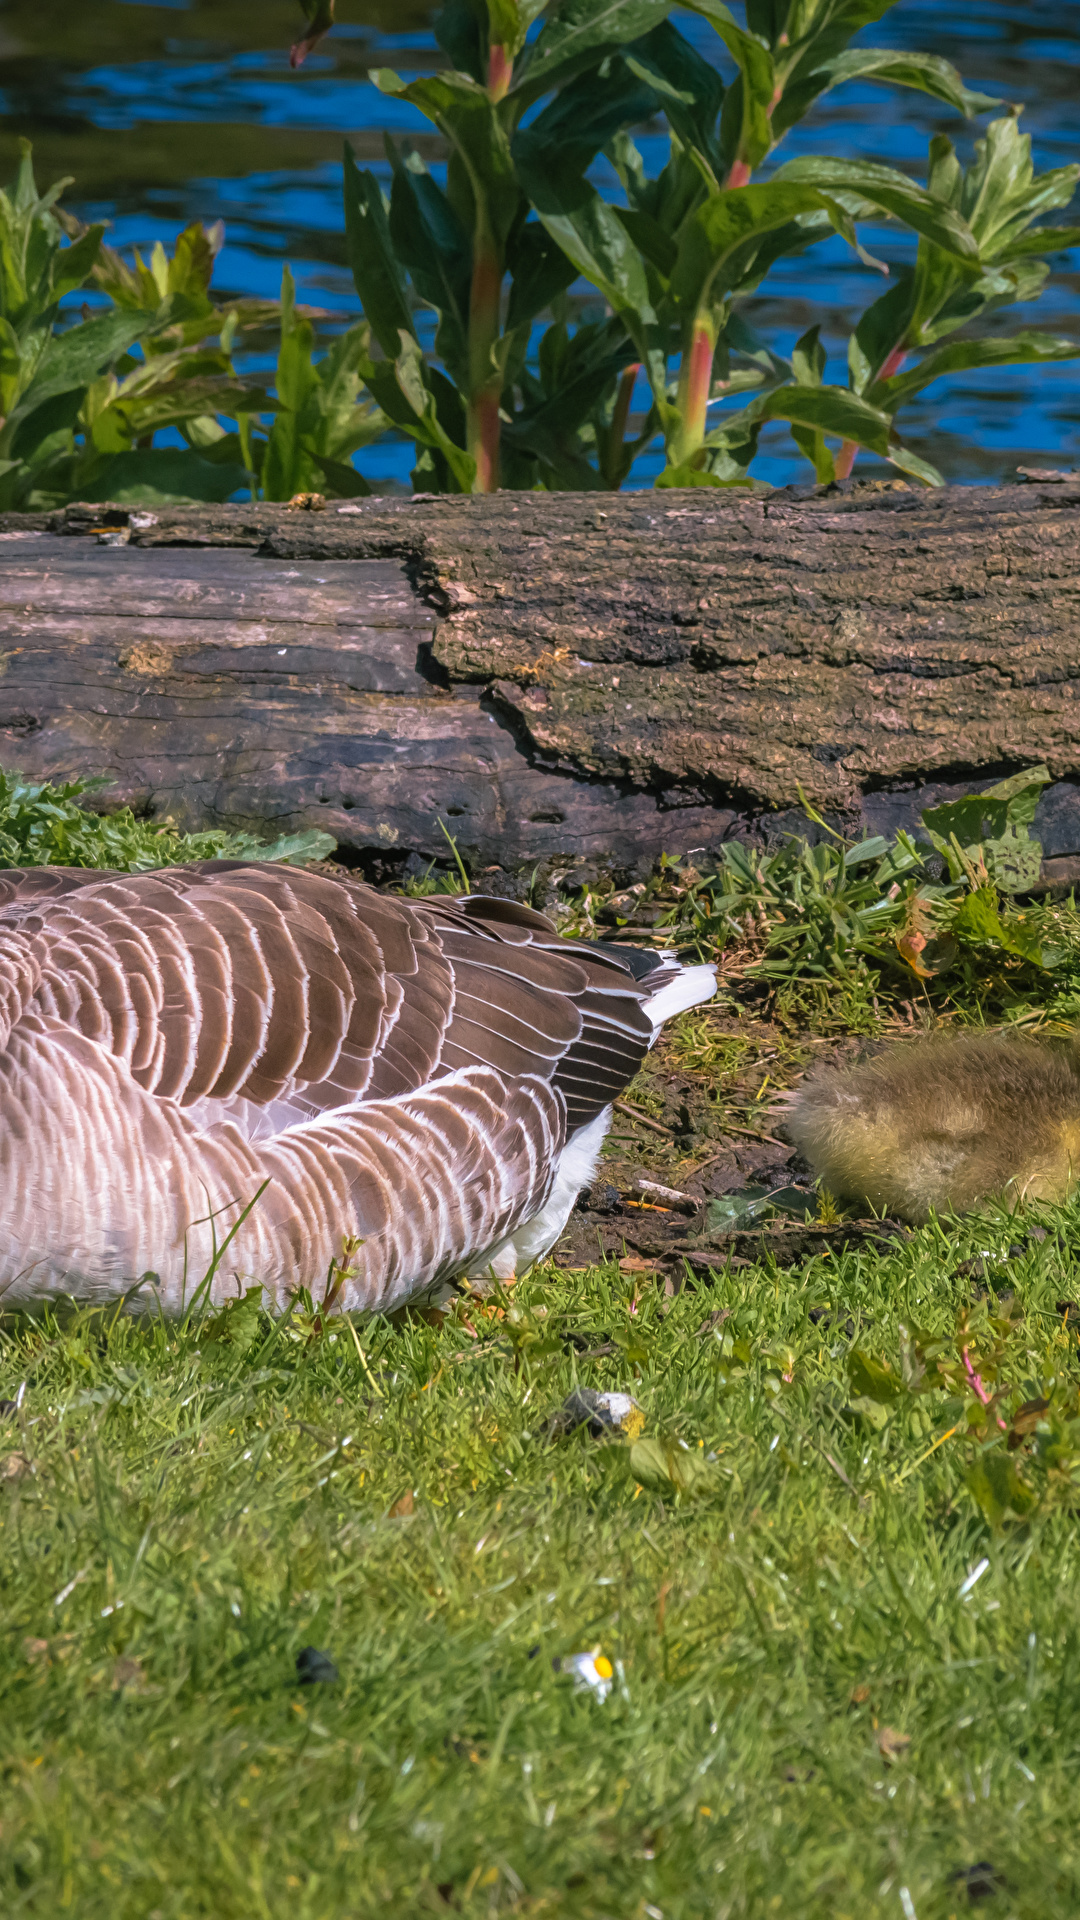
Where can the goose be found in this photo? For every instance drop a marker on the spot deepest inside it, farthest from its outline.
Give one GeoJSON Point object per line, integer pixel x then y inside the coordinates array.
{"type": "Point", "coordinates": [303, 1063]}
{"type": "Point", "coordinates": [945, 1124]}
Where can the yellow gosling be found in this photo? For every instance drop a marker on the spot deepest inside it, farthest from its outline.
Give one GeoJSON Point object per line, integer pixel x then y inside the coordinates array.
{"type": "Point", "coordinates": [945, 1124]}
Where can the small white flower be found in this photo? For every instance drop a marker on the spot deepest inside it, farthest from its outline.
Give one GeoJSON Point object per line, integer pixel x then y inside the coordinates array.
{"type": "Point", "coordinates": [592, 1673]}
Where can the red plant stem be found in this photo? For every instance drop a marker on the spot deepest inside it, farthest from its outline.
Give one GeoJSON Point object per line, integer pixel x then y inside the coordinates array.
{"type": "Point", "coordinates": [696, 384]}
{"type": "Point", "coordinates": [740, 170]}
{"type": "Point", "coordinates": [845, 459]}
{"type": "Point", "coordinates": [486, 284]}
{"type": "Point", "coordinates": [300, 49]}
{"type": "Point", "coordinates": [483, 409]}
{"type": "Point", "coordinates": [977, 1386]}
{"type": "Point", "coordinates": [484, 412]}
{"type": "Point", "coordinates": [976, 1383]}
{"type": "Point", "coordinates": [500, 72]}
{"type": "Point", "coordinates": [891, 364]}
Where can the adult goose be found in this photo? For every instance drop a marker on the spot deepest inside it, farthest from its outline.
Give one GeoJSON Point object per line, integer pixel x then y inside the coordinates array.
{"type": "Point", "coordinates": [431, 1077]}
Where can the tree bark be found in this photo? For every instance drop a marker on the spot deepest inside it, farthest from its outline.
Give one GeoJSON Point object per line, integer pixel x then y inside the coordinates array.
{"type": "Point", "coordinates": [574, 681]}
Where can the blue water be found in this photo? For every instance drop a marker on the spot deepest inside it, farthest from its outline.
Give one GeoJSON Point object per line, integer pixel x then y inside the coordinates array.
{"type": "Point", "coordinates": [187, 109]}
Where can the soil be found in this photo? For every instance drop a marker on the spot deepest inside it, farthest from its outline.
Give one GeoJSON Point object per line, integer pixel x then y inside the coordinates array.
{"type": "Point", "coordinates": [689, 1139]}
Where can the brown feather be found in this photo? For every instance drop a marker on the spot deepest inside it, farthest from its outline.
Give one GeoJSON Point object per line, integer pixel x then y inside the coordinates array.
{"type": "Point", "coordinates": [172, 1043]}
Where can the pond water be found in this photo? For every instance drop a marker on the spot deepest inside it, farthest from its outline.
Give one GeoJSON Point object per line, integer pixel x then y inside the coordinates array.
{"type": "Point", "coordinates": [187, 109]}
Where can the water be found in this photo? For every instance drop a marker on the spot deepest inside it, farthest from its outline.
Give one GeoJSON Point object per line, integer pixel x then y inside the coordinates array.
{"type": "Point", "coordinates": [187, 109]}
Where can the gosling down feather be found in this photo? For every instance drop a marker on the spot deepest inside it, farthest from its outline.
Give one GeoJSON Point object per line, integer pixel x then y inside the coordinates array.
{"type": "Point", "coordinates": [432, 1077]}
{"type": "Point", "coordinates": [944, 1125]}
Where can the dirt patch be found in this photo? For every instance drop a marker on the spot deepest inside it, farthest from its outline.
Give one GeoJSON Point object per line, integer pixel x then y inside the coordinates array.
{"type": "Point", "coordinates": [701, 1119]}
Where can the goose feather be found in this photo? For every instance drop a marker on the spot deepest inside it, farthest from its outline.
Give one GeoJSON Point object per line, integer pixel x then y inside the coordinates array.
{"type": "Point", "coordinates": [433, 1078]}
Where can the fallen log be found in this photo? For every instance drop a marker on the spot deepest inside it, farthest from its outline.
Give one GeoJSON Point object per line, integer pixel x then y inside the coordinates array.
{"type": "Point", "coordinates": [571, 681]}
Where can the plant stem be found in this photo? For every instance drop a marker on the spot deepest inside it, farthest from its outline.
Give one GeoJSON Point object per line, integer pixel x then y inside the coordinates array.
{"type": "Point", "coordinates": [695, 379]}
{"type": "Point", "coordinates": [845, 459]}
{"type": "Point", "coordinates": [500, 72]}
{"type": "Point", "coordinates": [740, 170]}
{"type": "Point", "coordinates": [635, 1113]}
{"type": "Point", "coordinates": [621, 413]}
{"type": "Point", "coordinates": [613, 469]}
{"type": "Point", "coordinates": [485, 387]}
{"type": "Point", "coordinates": [484, 440]}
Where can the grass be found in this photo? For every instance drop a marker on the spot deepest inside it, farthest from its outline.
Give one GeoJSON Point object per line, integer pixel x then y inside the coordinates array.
{"type": "Point", "coordinates": [837, 1576]}
{"type": "Point", "coordinates": [43, 824]}
{"type": "Point", "coordinates": [824, 1700]}
{"type": "Point", "coordinates": [842, 937]}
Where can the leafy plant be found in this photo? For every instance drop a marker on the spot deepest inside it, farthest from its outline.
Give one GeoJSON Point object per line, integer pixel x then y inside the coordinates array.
{"type": "Point", "coordinates": [998, 197]}
{"type": "Point", "coordinates": [45, 376]}
{"type": "Point", "coordinates": [320, 420]}
{"type": "Point", "coordinates": [186, 379]}
{"type": "Point", "coordinates": [83, 403]}
{"type": "Point", "coordinates": [42, 825]}
{"type": "Point", "coordinates": [1022, 1446]}
{"type": "Point", "coordinates": [80, 409]}
{"type": "Point", "coordinates": [805, 911]}
{"type": "Point", "coordinates": [492, 397]}
{"type": "Point", "coordinates": [986, 837]}
{"type": "Point", "coordinates": [454, 250]}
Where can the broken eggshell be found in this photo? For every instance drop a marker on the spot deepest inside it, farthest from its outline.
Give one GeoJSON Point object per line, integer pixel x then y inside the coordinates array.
{"type": "Point", "coordinates": [602, 1413]}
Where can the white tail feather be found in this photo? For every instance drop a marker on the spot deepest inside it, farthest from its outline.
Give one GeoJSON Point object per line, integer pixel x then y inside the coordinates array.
{"type": "Point", "coordinates": [687, 988]}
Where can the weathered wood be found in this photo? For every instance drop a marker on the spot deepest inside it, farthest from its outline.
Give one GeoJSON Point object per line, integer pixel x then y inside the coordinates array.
{"type": "Point", "coordinates": [216, 687]}
{"type": "Point", "coordinates": [561, 678]}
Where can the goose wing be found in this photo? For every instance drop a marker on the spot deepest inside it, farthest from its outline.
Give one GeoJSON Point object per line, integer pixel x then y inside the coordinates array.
{"type": "Point", "coordinates": [238, 981]}
{"type": "Point", "coordinates": [510, 963]}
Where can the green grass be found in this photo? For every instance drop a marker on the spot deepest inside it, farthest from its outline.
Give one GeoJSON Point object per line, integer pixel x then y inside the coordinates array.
{"type": "Point", "coordinates": [183, 1511]}
{"type": "Point", "coordinates": [840, 937]}
{"type": "Point", "coordinates": [818, 1713]}
{"type": "Point", "coordinates": [43, 824]}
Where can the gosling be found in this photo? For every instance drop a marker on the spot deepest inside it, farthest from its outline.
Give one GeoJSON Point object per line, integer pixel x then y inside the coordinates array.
{"type": "Point", "coordinates": [944, 1125]}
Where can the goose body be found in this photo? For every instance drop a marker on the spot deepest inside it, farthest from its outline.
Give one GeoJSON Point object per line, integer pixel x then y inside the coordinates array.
{"type": "Point", "coordinates": [945, 1124]}
{"type": "Point", "coordinates": [431, 1077]}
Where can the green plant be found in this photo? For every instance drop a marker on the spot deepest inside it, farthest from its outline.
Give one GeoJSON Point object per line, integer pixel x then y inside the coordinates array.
{"type": "Point", "coordinates": [84, 402]}
{"type": "Point", "coordinates": [524, 115]}
{"type": "Point", "coordinates": [45, 376]}
{"type": "Point", "coordinates": [999, 197]}
{"type": "Point", "coordinates": [297, 441]}
{"type": "Point", "coordinates": [185, 379]}
{"type": "Point", "coordinates": [42, 825]}
{"type": "Point", "coordinates": [80, 409]}
{"type": "Point", "coordinates": [320, 419]}
{"type": "Point", "coordinates": [459, 246]}
{"type": "Point", "coordinates": [830, 910]}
